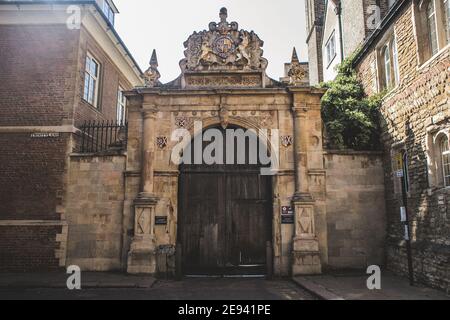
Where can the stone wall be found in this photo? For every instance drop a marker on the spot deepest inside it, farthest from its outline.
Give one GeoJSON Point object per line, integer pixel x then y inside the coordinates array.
{"type": "Point", "coordinates": [411, 114]}
{"type": "Point", "coordinates": [355, 209]}
{"type": "Point", "coordinates": [94, 211]}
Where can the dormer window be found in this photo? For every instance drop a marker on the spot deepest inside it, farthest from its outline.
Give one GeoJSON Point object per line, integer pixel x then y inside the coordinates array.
{"type": "Point", "coordinates": [108, 11]}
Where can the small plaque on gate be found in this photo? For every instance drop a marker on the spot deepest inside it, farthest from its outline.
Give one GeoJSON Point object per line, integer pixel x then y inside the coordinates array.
{"type": "Point", "coordinates": [287, 215]}
{"type": "Point", "coordinates": [160, 221]}
{"type": "Point", "coordinates": [287, 219]}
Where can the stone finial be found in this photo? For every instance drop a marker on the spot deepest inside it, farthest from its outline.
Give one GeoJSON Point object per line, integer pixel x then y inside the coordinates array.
{"type": "Point", "coordinates": [294, 56]}
{"type": "Point", "coordinates": [152, 75]}
{"type": "Point", "coordinates": [297, 73]}
{"type": "Point", "coordinates": [154, 59]}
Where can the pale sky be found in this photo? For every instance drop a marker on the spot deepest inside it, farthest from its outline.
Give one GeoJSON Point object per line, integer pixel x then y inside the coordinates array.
{"type": "Point", "coordinates": [164, 25]}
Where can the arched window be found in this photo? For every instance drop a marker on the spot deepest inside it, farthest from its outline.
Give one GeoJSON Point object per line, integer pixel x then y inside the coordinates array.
{"type": "Point", "coordinates": [445, 160]}
{"type": "Point", "coordinates": [432, 27]}
{"type": "Point", "coordinates": [387, 66]}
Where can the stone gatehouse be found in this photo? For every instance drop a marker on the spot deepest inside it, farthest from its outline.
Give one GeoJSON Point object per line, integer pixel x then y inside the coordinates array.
{"type": "Point", "coordinates": [137, 210]}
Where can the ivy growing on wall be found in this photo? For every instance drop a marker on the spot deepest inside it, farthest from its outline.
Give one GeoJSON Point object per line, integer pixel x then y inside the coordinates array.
{"type": "Point", "coordinates": [351, 119]}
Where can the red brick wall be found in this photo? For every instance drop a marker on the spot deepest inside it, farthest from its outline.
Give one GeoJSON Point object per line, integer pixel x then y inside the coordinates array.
{"type": "Point", "coordinates": [31, 176]}
{"type": "Point", "coordinates": [42, 82]}
{"type": "Point", "coordinates": [111, 77]}
{"type": "Point", "coordinates": [37, 74]}
{"type": "Point", "coordinates": [28, 248]}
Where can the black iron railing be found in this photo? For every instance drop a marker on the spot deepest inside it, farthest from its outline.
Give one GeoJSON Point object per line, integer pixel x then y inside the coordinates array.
{"type": "Point", "coordinates": [100, 136]}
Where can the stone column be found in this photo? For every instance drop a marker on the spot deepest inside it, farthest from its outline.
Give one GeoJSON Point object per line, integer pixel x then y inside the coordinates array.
{"type": "Point", "coordinates": [306, 257]}
{"type": "Point", "coordinates": [141, 258]}
{"type": "Point", "coordinates": [148, 143]}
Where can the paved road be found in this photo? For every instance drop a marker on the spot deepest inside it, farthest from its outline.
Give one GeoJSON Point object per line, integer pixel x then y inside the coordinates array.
{"type": "Point", "coordinates": [189, 289]}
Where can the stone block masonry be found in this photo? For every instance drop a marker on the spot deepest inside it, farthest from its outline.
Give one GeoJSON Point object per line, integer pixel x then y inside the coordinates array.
{"type": "Point", "coordinates": [356, 211]}
{"type": "Point", "coordinates": [411, 114]}
{"type": "Point", "coordinates": [94, 211]}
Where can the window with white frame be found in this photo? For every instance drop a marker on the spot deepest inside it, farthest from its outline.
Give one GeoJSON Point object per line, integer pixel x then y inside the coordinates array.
{"type": "Point", "coordinates": [438, 158]}
{"type": "Point", "coordinates": [91, 80]}
{"type": "Point", "coordinates": [121, 106]}
{"type": "Point", "coordinates": [445, 160]}
{"type": "Point", "coordinates": [331, 48]}
{"type": "Point", "coordinates": [432, 27]}
{"type": "Point", "coordinates": [446, 17]}
{"type": "Point", "coordinates": [395, 65]}
{"type": "Point", "coordinates": [432, 22]}
{"type": "Point", "coordinates": [108, 11]}
{"type": "Point", "coordinates": [389, 71]}
{"type": "Point", "coordinates": [387, 65]}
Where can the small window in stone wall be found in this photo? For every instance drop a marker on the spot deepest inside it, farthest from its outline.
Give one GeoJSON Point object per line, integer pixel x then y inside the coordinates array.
{"type": "Point", "coordinates": [439, 159]}
{"type": "Point", "coordinates": [444, 151]}
{"type": "Point", "coordinates": [388, 60]}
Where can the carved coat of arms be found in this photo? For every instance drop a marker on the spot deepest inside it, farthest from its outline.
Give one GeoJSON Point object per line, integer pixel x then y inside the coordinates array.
{"type": "Point", "coordinates": [223, 47]}
{"type": "Point", "coordinates": [161, 142]}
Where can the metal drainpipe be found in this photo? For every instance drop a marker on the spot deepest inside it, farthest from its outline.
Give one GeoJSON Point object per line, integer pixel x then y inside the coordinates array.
{"type": "Point", "coordinates": [341, 41]}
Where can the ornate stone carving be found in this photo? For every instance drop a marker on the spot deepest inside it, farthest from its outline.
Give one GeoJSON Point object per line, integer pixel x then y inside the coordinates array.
{"type": "Point", "coordinates": [182, 122]}
{"type": "Point", "coordinates": [224, 116]}
{"type": "Point", "coordinates": [142, 221]}
{"type": "Point", "coordinates": [235, 80]}
{"type": "Point", "coordinates": [306, 222]}
{"type": "Point", "coordinates": [286, 141]}
{"type": "Point", "coordinates": [223, 47]}
{"type": "Point", "coordinates": [297, 73]}
{"type": "Point", "coordinates": [161, 142]}
{"type": "Point", "coordinates": [152, 75]}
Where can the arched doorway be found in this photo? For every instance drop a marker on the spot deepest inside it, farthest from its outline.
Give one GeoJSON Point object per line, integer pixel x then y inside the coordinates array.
{"type": "Point", "coordinates": [225, 214]}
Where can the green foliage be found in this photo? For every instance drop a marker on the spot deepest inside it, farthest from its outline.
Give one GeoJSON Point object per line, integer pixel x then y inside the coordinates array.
{"type": "Point", "coordinates": [351, 119]}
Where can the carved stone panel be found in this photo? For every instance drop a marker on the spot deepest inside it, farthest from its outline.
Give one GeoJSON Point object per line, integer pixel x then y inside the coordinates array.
{"type": "Point", "coordinates": [220, 80]}
{"type": "Point", "coordinates": [223, 47]}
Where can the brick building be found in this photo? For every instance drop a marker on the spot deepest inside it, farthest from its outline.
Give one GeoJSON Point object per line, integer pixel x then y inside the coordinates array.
{"type": "Point", "coordinates": [407, 56]}
{"type": "Point", "coordinates": [61, 64]}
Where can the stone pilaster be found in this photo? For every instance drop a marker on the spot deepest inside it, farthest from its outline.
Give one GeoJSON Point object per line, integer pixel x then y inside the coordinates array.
{"type": "Point", "coordinates": [306, 255]}
{"type": "Point", "coordinates": [141, 258]}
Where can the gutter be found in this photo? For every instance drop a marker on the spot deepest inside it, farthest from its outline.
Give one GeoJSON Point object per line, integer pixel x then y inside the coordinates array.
{"type": "Point", "coordinates": [341, 36]}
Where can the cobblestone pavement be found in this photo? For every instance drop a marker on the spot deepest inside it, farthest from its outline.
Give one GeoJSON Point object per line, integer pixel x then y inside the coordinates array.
{"type": "Point", "coordinates": [188, 289]}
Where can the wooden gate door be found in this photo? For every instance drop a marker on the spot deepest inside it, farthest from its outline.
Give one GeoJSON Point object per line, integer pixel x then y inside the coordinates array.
{"type": "Point", "coordinates": [224, 220]}
{"type": "Point", "coordinates": [224, 217]}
